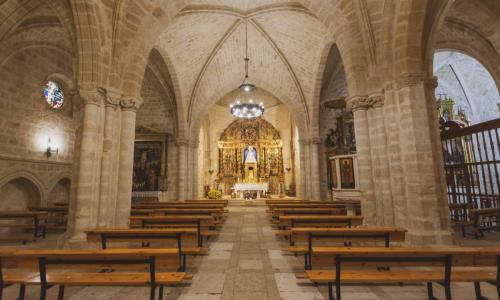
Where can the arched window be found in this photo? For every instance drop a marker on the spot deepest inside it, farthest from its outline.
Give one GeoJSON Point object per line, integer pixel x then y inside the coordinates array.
{"type": "Point", "coordinates": [53, 94]}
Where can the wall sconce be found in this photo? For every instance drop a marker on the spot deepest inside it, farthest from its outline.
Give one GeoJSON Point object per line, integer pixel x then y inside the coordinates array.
{"type": "Point", "coordinates": [50, 150]}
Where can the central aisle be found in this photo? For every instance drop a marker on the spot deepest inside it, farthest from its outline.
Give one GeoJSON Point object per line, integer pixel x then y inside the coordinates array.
{"type": "Point", "coordinates": [246, 262]}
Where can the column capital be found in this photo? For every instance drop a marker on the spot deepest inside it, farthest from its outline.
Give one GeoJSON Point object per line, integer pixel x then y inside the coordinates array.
{"type": "Point", "coordinates": [360, 102]}
{"type": "Point", "coordinates": [304, 142]}
{"type": "Point", "coordinates": [315, 140]}
{"type": "Point", "coordinates": [182, 142]}
{"type": "Point", "coordinates": [112, 97]}
{"type": "Point", "coordinates": [377, 99]}
{"type": "Point", "coordinates": [130, 103]}
{"type": "Point", "coordinates": [410, 79]}
{"type": "Point", "coordinates": [92, 97]}
{"type": "Point", "coordinates": [432, 82]}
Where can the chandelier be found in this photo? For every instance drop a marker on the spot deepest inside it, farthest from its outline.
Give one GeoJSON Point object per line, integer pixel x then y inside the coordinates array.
{"type": "Point", "coordinates": [246, 104]}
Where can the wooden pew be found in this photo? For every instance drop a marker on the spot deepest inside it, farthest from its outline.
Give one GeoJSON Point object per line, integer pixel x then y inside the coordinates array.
{"type": "Point", "coordinates": [225, 202]}
{"type": "Point", "coordinates": [216, 213]}
{"type": "Point", "coordinates": [83, 267]}
{"type": "Point", "coordinates": [483, 219]}
{"type": "Point", "coordinates": [38, 219]}
{"type": "Point", "coordinates": [307, 211]}
{"type": "Point", "coordinates": [185, 239]}
{"type": "Point", "coordinates": [57, 218]}
{"type": "Point", "coordinates": [196, 221]}
{"type": "Point", "coordinates": [319, 221]}
{"type": "Point", "coordinates": [346, 235]}
{"type": "Point", "coordinates": [475, 259]}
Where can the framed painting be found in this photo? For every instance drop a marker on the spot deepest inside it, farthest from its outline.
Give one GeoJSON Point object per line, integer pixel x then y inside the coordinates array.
{"type": "Point", "coordinates": [332, 172]}
{"type": "Point", "coordinates": [147, 165]}
{"type": "Point", "coordinates": [347, 177]}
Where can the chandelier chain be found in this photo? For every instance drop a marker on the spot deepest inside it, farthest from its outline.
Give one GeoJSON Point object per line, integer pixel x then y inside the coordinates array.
{"type": "Point", "coordinates": [246, 50]}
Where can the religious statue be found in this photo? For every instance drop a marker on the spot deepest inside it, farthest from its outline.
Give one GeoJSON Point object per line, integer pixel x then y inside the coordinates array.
{"type": "Point", "coordinates": [250, 155]}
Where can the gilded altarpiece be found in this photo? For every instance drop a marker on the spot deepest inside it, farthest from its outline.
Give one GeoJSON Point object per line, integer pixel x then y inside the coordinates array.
{"type": "Point", "coordinates": [251, 151]}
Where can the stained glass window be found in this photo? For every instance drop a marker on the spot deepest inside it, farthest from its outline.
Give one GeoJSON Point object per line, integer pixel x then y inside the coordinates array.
{"type": "Point", "coordinates": [53, 95]}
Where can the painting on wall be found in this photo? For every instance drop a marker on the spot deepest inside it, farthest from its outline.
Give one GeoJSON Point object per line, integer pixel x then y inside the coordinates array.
{"type": "Point", "coordinates": [347, 179]}
{"type": "Point", "coordinates": [332, 170]}
{"type": "Point", "coordinates": [147, 166]}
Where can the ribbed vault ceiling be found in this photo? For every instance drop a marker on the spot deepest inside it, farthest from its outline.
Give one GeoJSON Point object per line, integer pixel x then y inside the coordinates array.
{"type": "Point", "coordinates": [206, 46]}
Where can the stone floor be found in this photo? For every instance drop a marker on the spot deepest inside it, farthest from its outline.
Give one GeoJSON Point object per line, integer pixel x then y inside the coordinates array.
{"type": "Point", "coordinates": [246, 262]}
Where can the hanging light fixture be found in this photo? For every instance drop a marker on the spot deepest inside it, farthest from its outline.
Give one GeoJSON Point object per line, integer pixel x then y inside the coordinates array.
{"type": "Point", "coordinates": [246, 104]}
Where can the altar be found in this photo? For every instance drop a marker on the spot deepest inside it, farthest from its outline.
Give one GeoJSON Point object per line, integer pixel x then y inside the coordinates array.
{"type": "Point", "coordinates": [243, 187]}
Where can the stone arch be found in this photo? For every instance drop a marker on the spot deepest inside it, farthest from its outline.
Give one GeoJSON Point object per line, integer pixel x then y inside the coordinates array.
{"type": "Point", "coordinates": [332, 15]}
{"type": "Point", "coordinates": [461, 38]}
{"type": "Point", "coordinates": [166, 70]}
{"type": "Point", "coordinates": [60, 190]}
{"type": "Point", "coordinates": [33, 182]}
{"type": "Point", "coordinates": [19, 47]}
{"type": "Point", "coordinates": [87, 43]}
{"type": "Point", "coordinates": [195, 124]}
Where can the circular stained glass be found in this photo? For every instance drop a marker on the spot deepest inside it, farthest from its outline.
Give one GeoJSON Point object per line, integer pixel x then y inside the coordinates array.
{"type": "Point", "coordinates": [53, 95]}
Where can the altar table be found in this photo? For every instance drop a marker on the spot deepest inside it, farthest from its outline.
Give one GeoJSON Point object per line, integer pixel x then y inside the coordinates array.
{"type": "Point", "coordinates": [259, 187]}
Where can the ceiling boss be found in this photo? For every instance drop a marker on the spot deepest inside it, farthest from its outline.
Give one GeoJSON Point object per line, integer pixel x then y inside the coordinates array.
{"type": "Point", "coordinates": [245, 104]}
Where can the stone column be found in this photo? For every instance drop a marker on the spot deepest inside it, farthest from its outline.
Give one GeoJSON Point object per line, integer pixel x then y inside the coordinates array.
{"type": "Point", "coordinates": [129, 107]}
{"type": "Point", "coordinates": [304, 171]}
{"type": "Point", "coordinates": [381, 174]}
{"type": "Point", "coordinates": [193, 166]}
{"type": "Point", "coordinates": [83, 207]}
{"type": "Point", "coordinates": [107, 199]}
{"type": "Point", "coordinates": [182, 148]}
{"type": "Point", "coordinates": [359, 106]}
{"type": "Point", "coordinates": [422, 162]}
{"type": "Point", "coordinates": [315, 169]}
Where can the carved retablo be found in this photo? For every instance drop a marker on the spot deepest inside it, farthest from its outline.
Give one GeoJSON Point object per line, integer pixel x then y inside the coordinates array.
{"type": "Point", "coordinates": [250, 151]}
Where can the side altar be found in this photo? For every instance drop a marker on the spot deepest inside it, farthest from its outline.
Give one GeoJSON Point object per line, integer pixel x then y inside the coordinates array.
{"type": "Point", "coordinates": [250, 157]}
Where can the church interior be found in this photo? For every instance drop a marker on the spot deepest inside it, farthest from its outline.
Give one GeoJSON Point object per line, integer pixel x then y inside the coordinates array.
{"type": "Point", "coordinates": [249, 149]}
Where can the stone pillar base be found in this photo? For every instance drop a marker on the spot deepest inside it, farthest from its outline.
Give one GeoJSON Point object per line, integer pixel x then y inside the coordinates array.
{"type": "Point", "coordinates": [77, 241]}
{"type": "Point", "coordinates": [430, 238]}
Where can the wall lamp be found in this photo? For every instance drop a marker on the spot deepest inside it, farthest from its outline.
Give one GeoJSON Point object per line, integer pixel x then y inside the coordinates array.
{"type": "Point", "coordinates": [50, 150]}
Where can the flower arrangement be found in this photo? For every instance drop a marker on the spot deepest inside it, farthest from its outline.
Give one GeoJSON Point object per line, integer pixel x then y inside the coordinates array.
{"type": "Point", "coordinates": [214, 194]}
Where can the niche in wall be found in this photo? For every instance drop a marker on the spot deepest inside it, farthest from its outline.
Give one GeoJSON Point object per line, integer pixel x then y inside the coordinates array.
{"type": "Point", "coordinates": [19, 194]}
{"type": "Point", "coordinates": [60, 192]}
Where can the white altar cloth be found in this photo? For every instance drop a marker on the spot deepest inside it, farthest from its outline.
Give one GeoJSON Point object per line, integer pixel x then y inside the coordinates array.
{"type": "Point", "coordinates": [250, 187]}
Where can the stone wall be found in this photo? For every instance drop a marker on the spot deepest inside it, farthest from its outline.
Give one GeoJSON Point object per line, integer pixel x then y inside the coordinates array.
{"type": "Point", "coordinates": [27, 122]}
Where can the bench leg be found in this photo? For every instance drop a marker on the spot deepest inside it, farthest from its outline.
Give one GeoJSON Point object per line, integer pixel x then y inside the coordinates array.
{"type": "Point", "coordinates": [160, 293]}
{"type": "Point", "coordinates": [330, 291]}
{"type": "Point", "coordinates": [43, 292]}
{"type": "Point", "coordinates": [430, 293]}
{"type": "Point", "coordinates": [152, 293]}
{"type": "Point", "coordinates": [60, 295]}
{"type": "Point", "coordinates": [22, 291]}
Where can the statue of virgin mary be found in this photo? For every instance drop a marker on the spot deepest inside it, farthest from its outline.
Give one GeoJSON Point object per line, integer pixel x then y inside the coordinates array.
{"type": "Point", "coordinates": [250, 155]}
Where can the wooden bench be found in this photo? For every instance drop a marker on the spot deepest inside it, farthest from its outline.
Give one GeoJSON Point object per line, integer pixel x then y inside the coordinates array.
{"type": "Point", "coordinates": [346, 235]}
{"type": "Point", "coordinates": [38, 219]}
{"type": "Point", "coordinates": [197, 221]}
{"type": "Point", "coordinates": [186, 239]}
{"type": "Point", "coordinates": [342, 258]}
{"type": "Point", "coordinates": [58, 216]}
{"type": "Point", "coordinates": [319, 221]}
{"type": "Point", "coordinates": [277, 212]}
{"type": "Point", "coordinates": [219, 201]}
{"type": "Point", "coordinates": [137, 267]}
{"type": "Point", "coordinates": [484, 219]}
{"type": "Point", "coordinates": [216, 213]}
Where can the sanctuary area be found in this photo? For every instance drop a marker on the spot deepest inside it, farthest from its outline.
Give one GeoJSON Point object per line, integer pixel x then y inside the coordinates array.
{"type": "Point", "coordinates": [249, 149]}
